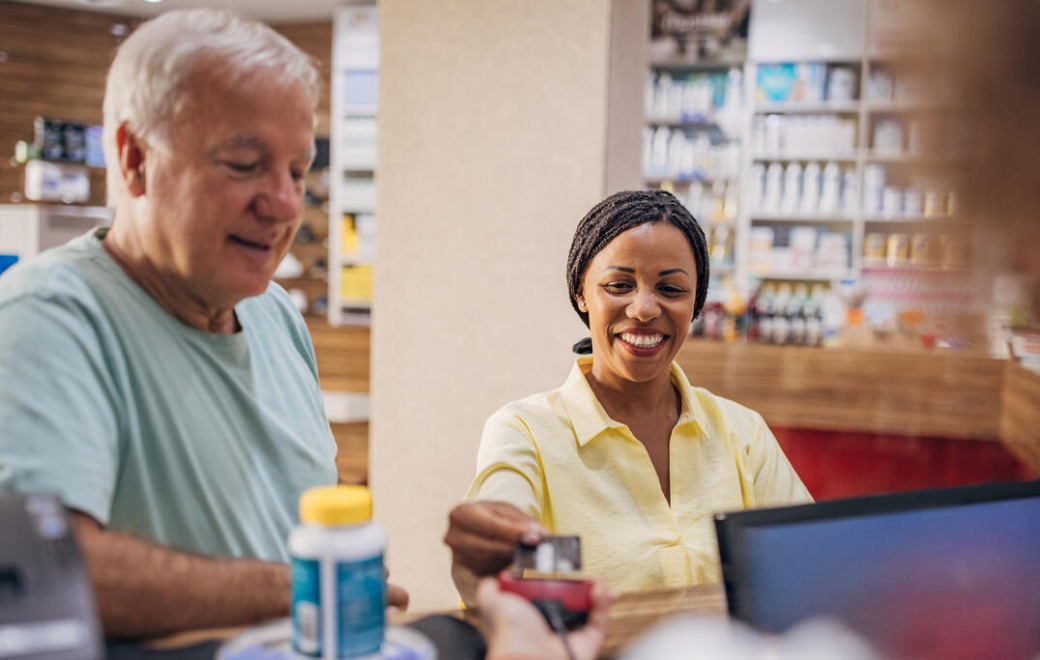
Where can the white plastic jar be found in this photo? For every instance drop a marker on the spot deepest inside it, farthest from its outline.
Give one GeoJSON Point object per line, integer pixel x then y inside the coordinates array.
{"type": "Point", "coordinates": [338, 580]}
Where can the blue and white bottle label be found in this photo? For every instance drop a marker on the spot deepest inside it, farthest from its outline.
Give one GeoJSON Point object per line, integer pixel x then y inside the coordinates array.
{"type": "Point", "coordinates": [306, 607]}
{"type": "Point", "coordinates": [360, 590]}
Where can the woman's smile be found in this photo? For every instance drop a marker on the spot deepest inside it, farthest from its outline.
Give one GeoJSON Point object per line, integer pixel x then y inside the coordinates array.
{"type": "Point", "coordinates": [642, 343]}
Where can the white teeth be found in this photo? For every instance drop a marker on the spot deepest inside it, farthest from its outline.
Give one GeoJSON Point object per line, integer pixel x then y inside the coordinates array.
{"type": "Point", "coordinates": [642, 341]}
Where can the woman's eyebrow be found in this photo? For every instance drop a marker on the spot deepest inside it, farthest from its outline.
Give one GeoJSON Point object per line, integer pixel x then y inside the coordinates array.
{"type": "Point", "coordinates": [673, 270]}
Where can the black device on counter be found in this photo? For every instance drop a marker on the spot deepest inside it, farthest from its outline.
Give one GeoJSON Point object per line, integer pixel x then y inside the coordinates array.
{"type": "Point", "coordinates": [942, 573]}
{"type": "Point", "coordinates": [46, 603]}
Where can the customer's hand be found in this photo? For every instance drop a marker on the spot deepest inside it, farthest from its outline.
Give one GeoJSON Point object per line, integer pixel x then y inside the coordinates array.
{"type": "Point", "coordinates": [396, 599]}
{"type": "Point", "coordinates": [513, 627]}
{"type": "Point", "coordinates": [483, 535]}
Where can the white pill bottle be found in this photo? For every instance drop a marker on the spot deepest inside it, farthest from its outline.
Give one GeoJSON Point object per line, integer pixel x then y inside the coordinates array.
{"type": "Point", "coordinates": [338, 591]}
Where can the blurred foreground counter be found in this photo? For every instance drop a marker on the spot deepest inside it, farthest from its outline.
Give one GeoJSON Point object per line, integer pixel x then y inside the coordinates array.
{"type": "Point", "coordinates": [895, 392]}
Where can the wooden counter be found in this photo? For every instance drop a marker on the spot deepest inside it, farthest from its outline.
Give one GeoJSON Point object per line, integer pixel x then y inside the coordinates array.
{"type": "Point", "coordinates": [936, 394]}
{"type": "Point", "coordinates": [925, 394]}
{"type": "Point", "coordinates": [1020, 415]}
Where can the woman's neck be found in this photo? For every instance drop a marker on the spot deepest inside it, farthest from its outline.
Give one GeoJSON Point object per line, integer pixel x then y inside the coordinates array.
{"type": "Point", "coordinates": [176, 300]}
{"type": "Point", "coordinates": [626, 400]}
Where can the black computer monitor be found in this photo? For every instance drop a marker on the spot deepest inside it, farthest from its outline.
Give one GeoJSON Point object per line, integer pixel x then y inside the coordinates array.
{"type": "Point", "coordinates": [947, 573]}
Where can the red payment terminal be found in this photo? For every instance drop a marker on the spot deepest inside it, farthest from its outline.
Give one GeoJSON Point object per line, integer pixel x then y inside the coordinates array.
{"type": "Point", "coordinates": [548, 575]}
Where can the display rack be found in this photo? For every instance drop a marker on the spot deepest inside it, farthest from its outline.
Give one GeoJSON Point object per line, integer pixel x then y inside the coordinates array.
{"type": "Point", "coordinates": [355, 93]}
{"type": "Point", "coordinates": [915, 214]}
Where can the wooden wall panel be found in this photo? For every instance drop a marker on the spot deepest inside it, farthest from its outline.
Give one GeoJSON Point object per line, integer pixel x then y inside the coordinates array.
{"type": "Point", "coordinates": [343, 356]}
{"type": "Point", "coordinates": [55, 65]}
{"type": "Point", "coordinates": [1020, 421]}
{"type": "Point", "coordinates": [951, 396]}
{"type": "Point", "coordinates": [315, 39]}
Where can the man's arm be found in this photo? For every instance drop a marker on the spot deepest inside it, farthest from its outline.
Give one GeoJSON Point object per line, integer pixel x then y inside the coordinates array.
{"type": "Point", "coordinates": [145, 590]}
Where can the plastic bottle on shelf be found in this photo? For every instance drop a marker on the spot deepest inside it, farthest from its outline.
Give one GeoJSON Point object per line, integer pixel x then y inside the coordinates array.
{"type": "Point", "coordinates": [792, 189]}
{"type": "Point", "coordinates": [734, 91]}
{"type": "Point", "coordinates": [892, 202]}
{"type": "Point", "coordinates": [659, 151]}
{"type": "Point", "coordinates": [781, 326]}
{"type": "Point", "coordinates": [674, 99]}
{"type": "Point", "coordinates": [702, 151]}
{"type": "Point", "coordinates": [756, 186]}
{"type": "Point", "coordinates": [888, 136]}
{"type": "Point", "coordinates": [873, 189]}
{"type": "Point", "coordinates": [810, 203]}
{"type": "Point", "coordinates": [688, 161]}
{"type": "Point", "coordinates": [662, 91]}
{"type": "Point", "coordinates": [695, 201]}
{"type": "Point", "coordinates": [774, 134]}
{"type": "Point", "coordinates": [774, 189]}
{"type": "Point", "coordinates": [849, 193]}
{"type": "Point", "coordinates": [830, 189]}
{"type": "Point", "coordinates": [841, 83]}
{"type": "Point", "coordinates": [676, 144]}
{"type": "Point", "coordinates": [732, 202]}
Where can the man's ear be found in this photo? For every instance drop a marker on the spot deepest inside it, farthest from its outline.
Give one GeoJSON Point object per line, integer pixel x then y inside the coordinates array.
{"type": "Point", "coordinates": [131, 150]}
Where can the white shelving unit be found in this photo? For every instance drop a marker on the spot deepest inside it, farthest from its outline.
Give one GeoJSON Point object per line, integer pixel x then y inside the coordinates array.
{"type": "Point", "coordinates": [835, 33]}
{"type": "Point", "coordinates": [355, 84]}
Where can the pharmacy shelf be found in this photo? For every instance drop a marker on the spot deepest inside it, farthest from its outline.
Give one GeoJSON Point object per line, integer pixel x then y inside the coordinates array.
{"type": "Point", "coordinates": [944, 218]}
{"type": "Point", "coordinates": [805, 275]}
{"type": "Point", "coordinates": [685, 66]}
{"type": "Point", "coordinates": [707, 124]}
{"type": "Point", "coordinates": [355, 56]}
{"type": "Point", "coordinates": [681, 181]}
{"type": "Point", "coordinates": [355, 303]}
{"type": "Point", "coordinates": [912, 159]}
{"type": "Point", "coordinates": [884, 107]}
{"type": "Point", "coordinates": [840, 157]}
{"type": "Point", "coordinates": [960, 271]}
{"type": "Point", "coordinates": [808, 107]}
{"type": "Point", "coordinates": [349, 260]}
{"type": "Point", "coordinates": [766, 218]}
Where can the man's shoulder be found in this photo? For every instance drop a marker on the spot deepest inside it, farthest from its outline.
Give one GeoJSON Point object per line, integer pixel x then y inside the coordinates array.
{"type": "Point", "coordinates": [66, 273]}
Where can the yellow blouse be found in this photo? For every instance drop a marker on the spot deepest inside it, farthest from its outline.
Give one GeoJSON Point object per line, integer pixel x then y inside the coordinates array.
{"type": "Point", "coordinates": [559, 457]}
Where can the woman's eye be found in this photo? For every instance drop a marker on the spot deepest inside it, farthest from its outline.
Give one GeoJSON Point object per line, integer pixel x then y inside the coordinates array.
{"type": "Point", "coordinates": [617, 287]}
{"type": "Point", "coordinates": [670, 290]}
{"type": "Point", "coordinates": [297, 175]}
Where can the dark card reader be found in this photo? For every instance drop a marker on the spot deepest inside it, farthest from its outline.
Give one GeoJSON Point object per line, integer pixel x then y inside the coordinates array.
{"type": "Point", "coordinates": [547, 574]}
{"type": "Point", "coordinates": [46, 604]}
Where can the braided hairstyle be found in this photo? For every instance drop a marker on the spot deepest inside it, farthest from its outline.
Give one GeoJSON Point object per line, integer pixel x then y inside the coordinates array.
{"type": "Point", "coordinates": [619, 213]}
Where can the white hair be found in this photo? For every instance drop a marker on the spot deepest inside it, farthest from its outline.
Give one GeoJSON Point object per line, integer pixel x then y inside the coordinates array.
{"type": "Point", "coordinates": [146, 86]}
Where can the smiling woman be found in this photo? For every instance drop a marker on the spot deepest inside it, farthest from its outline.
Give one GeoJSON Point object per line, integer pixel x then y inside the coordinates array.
{"type": "Point", "coordinates": [627, 454]}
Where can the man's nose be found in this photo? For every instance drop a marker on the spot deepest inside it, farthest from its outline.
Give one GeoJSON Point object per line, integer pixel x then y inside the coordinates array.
{"type": "Point", "coordinates": [282, 199]}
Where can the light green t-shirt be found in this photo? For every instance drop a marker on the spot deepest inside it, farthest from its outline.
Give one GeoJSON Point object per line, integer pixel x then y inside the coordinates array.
{"type": "Point", "coordinates": [192, 440]}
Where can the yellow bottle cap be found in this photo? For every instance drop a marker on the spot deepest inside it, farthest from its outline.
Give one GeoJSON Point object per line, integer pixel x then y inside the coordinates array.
{"type": "Point", "coordinates": [336, 505]}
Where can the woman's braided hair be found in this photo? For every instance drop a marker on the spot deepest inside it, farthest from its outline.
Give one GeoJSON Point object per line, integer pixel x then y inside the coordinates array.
{"type": "Point", "coordinates": [621, 212]}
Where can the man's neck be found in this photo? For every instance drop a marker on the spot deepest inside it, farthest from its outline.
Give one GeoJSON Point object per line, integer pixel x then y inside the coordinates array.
{"type": "Point", "coordinates": [174, 297]}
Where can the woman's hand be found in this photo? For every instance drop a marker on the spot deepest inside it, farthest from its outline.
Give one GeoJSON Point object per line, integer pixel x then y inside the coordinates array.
{"type": "Point", "coordinates": [513, 627]}
{"type": "Point", "coordinates": [483, 535]}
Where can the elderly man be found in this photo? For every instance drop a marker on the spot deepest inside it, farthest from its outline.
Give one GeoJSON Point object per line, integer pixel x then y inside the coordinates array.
{"type": "Point", "coordinates": [151, 374]}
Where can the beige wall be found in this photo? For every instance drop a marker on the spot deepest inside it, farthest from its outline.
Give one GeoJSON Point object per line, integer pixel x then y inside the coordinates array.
{"type": "Point", "coordinates": [493, 134]}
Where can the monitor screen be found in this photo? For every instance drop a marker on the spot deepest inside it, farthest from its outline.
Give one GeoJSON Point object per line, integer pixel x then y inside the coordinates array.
{"type": "Point", "coordinates": [943, 574]}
